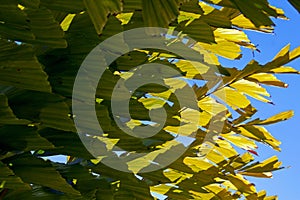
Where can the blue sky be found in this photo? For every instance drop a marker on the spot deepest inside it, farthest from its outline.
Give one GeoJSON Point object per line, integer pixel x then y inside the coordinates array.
{"type": "Point", "coordinates": [285, 182]}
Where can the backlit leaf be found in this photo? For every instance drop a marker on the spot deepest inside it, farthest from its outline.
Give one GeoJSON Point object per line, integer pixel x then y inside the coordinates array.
{"type": "Point", "coordinates": [252, 89]}
{"type": "Point", "coordinates": [232, 97]}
